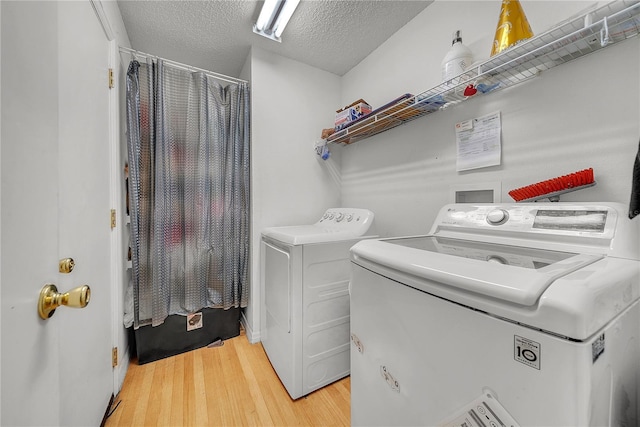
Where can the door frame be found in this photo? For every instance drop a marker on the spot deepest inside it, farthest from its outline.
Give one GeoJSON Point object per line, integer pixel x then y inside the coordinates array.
{"type": "Point", "coordinates": [117, 260]}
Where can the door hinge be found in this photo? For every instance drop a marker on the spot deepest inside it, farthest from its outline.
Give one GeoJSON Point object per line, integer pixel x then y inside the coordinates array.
{"type": "Point", "coordinates": [114, 357]}
{"type": "Point", "coordinates": [111, 84]}
{"type": "Point", "coordinates": [113, 219]}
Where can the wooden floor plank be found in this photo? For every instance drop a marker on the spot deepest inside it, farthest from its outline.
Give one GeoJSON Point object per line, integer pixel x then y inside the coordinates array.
{"type": "Point", "coordinates": [177, 395]}
{"type": "Point", "coordinates": [230, 385]}
{"type": "Point", "coordinates": [166, 395]}
{"type": "Point", "coordinates": [260, 415]}
{"type": "Point", "coordinates": [215, 396]}
{"type": "Point", "coordinates": [200, 390]}
{"type": "Point", "coordinates": [188, 415]}
{"type": "Point", "coordinates": [153, 406]}
{"type": "Point", "coordinates": [237, 387]}
{"type": "Point", "coordinates": [144, 392]}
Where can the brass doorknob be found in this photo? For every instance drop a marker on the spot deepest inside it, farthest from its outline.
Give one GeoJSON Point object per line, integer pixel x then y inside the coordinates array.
{"type": "Point", "coordinates": [50, 299]}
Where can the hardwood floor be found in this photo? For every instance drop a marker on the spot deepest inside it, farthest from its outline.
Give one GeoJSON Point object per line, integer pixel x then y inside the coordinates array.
{"type": "Point", "coordinates": [231, 385]}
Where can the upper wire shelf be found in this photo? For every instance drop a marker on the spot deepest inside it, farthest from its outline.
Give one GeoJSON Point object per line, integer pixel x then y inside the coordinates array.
{"type": "Point", "coordinates": [572, 39]}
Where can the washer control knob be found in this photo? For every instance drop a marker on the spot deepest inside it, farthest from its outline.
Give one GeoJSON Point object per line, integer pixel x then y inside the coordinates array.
{"type": "Point", "coordinates": [325, 216]}
{"type": "Point", "coordinates": [349, 217]}
{"type": "Point", "coordinates": [339, 217]}
{"type": "Point", "coordinates": [497, 217]}
{"type": "Point", "coordinates": [330, 215]}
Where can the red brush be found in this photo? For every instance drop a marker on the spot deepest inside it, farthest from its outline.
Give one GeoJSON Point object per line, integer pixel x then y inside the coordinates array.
{"type": "Point", "coordinates": [552, 188]}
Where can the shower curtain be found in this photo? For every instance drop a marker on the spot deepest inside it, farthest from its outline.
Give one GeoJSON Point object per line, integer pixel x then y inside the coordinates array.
{"type": "Point", "coordinates": [188, 146]}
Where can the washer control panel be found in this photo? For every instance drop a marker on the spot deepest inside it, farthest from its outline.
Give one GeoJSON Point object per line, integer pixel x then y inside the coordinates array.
{"type": "Point", "coordinates": [595, 220]}
{"type": "Point", "coordinates": [583, 227]}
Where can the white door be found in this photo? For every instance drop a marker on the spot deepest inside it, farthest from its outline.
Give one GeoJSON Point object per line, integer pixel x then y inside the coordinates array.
{"type": "Point", "coordinates": [55, 204]}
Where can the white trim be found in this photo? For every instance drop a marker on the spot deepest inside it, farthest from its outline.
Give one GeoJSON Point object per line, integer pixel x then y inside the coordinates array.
{"type": "Point", "coordinates": [116, 172]}
{"type": "Point", "coordinates": [117, 266]}
{"type": "Point", "coordinates": [116, 257]}
{"type": "Point", "coordinates": [114, 202]}
{"type": "Point", "coordinates": [116, 273]}
{"type": "Point", "coordinates": [102, 17]}
{"type": "Point", "coordinates": [252, 336]}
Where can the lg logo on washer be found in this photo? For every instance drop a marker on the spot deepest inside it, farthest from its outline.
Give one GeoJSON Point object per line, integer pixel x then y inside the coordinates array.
{"type": "Point", "coordinates": [526, 351]}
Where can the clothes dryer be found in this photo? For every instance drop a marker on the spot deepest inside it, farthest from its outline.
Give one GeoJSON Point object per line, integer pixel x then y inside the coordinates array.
{"type": "Point", "coordinates": [305, 275]}
{"type": "Point", "coordinates": [504, 315]}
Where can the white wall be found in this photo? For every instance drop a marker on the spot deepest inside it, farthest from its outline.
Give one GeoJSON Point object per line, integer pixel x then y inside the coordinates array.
{"type": "Point", "coordinates": [290, 103]}
{"type": "Point", "coordinates": [582, 114]}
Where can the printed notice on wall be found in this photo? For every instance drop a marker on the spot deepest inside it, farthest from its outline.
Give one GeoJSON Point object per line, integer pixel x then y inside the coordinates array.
{"type": "Point", "coordinates": [478, 142]}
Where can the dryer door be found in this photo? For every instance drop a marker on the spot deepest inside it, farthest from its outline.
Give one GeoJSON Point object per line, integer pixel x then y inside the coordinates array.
{"type": "Point", "coordinates": [277, 290]}
{"type": "Point", "coordinates": [280, 334]}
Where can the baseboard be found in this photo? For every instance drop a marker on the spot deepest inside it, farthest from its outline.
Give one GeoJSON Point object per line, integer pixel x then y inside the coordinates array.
{"type": "Point", "coordinates": [252, 335]}
{"type": "Point", "coordinates": [123, 367]}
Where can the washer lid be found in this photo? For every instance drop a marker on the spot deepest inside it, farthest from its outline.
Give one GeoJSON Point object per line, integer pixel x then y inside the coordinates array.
{"type": "Point", "coordinates": [516, 274]}
{"type": "Point", "coordinates": [306, 234]}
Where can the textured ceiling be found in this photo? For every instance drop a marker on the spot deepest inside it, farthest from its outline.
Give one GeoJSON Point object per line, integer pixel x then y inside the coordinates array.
{"type": "Point", "coordinates": [333, 35]}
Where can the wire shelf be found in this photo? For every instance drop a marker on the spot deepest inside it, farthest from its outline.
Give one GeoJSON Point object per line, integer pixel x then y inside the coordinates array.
{"type": "Point", "coordinates": [572, 39]}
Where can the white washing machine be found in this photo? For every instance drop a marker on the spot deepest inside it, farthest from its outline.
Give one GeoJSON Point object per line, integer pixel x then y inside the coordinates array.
{"type": "Point", "coordinates": [305, 274]}
{"type": "Point", "coordinates": [504, 315]}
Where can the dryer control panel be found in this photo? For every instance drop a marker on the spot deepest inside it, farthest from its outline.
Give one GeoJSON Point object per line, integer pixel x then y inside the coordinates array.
{"type": "Point", "coordinates": [346, 217]}
{"type": "Point", "coordinates": [334, 225]}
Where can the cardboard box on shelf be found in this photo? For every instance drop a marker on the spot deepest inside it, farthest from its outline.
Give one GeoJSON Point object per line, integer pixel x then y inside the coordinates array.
{"type": "Point", "coordinates": [351, 113]}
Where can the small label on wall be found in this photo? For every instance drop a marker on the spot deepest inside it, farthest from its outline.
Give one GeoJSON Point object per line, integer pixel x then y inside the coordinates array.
{"type": "Point", "coordinates": [194, 321]}
{"type": "Point", "coordinates": [466, 125]}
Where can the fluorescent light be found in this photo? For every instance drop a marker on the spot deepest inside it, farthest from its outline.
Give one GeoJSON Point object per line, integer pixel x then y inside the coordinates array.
{"type": "Point", "coordinates": [287, 10]}
{"type": "Point", "coordinates": [266, 14]}
{"type": "Point", "coordinates": [274, 16]}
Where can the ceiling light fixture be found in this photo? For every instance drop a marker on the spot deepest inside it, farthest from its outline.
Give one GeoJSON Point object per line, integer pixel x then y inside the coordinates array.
{"type": "Point", "coordinates": [274, 16]}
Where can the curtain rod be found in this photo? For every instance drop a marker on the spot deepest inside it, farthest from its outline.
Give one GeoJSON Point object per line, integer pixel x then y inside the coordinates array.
{"type": "Point", "coordinates": [183, 66]}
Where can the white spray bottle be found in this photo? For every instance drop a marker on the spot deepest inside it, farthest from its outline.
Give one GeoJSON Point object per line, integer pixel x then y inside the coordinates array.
{"type": "Point", "coordinates": [457, 59]}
